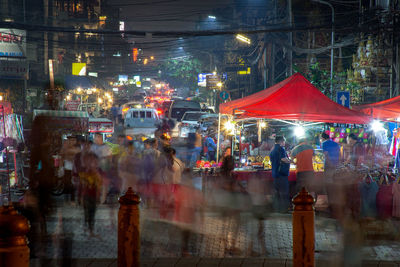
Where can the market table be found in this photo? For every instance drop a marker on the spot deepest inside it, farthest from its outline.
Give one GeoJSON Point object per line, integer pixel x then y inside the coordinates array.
{"type": "Point", "coordinates": [245, 175]}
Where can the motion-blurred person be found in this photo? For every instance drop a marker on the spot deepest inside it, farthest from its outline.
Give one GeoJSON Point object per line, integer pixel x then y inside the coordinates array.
{"type": "Point", "coordinates": [42, 179]}
{"type": "Point", "coordinates": [78, 167]}
{"type": "Point", "coordinates": [331, 151]}
{"type": "Point", "coordinates": [68, 151]}
{"type": "Point", "coordinates": [211, 148]}
{"type": "Point", "coordinates": [194, 146]}
{"type": "Point", "coordinates": [234, 200]}
{"type": "Point", "coordinates": [357, 151]}
{"type": "Point", "coordinates": [91, 179]}
{"type": "Point", "coordinates": [260, 210]}
{"type": "Point", "coordinates": [114, 114]}
{"type": "Point", "coordinates": [188, 201]}
{"type": "Point", "coordinates": [280, 172]}
{"type": "Point", "coordinates": [303, 153]}
{"type": "Point", "coordinates": [150, 157]}
{"type": "Point", "coordinates": [129, 169]}
{"type": "Point", "coordinates": [104, 155]}
{"type": "Point", "coordinates": [120, 119]}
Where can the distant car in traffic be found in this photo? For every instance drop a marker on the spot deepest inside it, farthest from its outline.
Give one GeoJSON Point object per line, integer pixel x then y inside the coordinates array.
{"type": "Point", "coordinates": [177, 109]}
{"type": "Point", "coordinates": [132, 104]}
{"type": "Point", "coordinates": [189, 123]}
{"type": "Point", "coordinates": [141, 121]}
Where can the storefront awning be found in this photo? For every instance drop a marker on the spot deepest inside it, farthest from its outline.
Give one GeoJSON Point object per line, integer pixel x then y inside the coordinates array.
{"type": "Point", "coordinates": [62, 120]}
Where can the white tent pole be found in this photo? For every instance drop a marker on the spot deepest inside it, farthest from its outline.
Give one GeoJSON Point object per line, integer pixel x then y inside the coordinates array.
{"type": "Point", "coordinates": [219, 131]}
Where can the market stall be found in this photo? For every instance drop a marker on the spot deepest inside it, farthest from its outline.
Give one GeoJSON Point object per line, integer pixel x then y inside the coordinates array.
{"type": "Point", "coordinates": [50, 130]}
{"type": "Point", "coordinates": [11, 135]}
{"type": "Point", "coordinates": [301, 105]}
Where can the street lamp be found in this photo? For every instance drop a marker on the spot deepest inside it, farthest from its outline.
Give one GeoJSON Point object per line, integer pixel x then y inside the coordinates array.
{"type": "Point", "coordinates": [243, 38]}
{"type": "Point", "coordinates": [332, 37]}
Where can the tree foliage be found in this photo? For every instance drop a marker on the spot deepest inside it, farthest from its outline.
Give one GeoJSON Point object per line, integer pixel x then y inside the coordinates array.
{"type": "Point", "coordinates": [181, 72]}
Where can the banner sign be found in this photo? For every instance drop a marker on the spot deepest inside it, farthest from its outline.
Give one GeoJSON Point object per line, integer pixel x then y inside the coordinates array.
{"type": "Point", "coordinates": [72, 105]}
{"type": "Point", "coordinates": [79, 69]}
{"type": "Point", "coordinates": [12, 43]}
{"type": "Point", "coordinates": [10, 69]}
{"type": "Point", "coordinates": [201, 79]}
{"type": "Point", "coordinates": [212, 81]}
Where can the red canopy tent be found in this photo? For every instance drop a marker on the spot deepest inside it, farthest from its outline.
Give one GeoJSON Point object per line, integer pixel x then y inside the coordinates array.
{"type": "Point", "coordinates": [385, 110]}
{"type": "Point", "coordinates": [293, 99]}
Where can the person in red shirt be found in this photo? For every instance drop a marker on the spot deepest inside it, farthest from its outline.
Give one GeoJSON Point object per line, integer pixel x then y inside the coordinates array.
{"type": "Point", "coordinates": [303, 153]}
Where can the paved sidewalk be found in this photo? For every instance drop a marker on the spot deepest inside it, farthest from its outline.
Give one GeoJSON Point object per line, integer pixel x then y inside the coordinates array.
{"type": "Point", "coordinates": [162, 239]}
{"type": "Point", "coordinates": [206, 262]}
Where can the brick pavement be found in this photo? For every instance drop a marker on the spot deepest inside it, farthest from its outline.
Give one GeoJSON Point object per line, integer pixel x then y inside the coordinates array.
{"type": "Point", "coordinates": [162, 239]}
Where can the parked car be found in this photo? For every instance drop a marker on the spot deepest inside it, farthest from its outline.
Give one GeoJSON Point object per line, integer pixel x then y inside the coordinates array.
{"type": "Point", "coordinates": [141, 121]}
{"type": "Point", "coordinates": [189, 123]}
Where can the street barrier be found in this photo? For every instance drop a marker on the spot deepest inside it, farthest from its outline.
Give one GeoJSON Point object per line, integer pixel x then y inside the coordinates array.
{"type": "Point", "coordinates": [14, 250]}
{"type": "Point", "coordinates": [303, 230]}
{"type": "Point", "coordinates": [129, 230]}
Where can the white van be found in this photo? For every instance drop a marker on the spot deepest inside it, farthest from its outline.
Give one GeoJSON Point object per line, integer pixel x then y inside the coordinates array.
{"type": "Point", "coordinates": [141, 121]}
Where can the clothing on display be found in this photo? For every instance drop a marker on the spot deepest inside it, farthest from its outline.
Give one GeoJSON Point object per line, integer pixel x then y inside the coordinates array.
{"type": "Point", "coordinates": [368, 191]}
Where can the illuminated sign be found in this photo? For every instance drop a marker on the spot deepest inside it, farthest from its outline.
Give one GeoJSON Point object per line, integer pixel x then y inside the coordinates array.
{"type": "Point", "coordinates": [12, 43]}
{"type": "Point", "coordinates": [79, 69]}
{"type": "Point", "coordinates": [135, 54]}
{"type": "Point", "coordinates": [202, 79]}
{"type": "Point", "coordinates": [123, 78]}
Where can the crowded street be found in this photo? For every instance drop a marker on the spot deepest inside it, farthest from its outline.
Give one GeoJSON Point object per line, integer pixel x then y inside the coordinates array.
{"type": "Point", "coordinates": [199, 133]}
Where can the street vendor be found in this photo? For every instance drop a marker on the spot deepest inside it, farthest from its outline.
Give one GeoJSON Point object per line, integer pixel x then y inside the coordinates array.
{"type": "Point", "coordinates": [303, 153]}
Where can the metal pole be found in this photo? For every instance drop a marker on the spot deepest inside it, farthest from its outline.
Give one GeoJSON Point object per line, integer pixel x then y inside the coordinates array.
{"type": "Point", "coordinates": [290, 38]}
{"type": "Point", "coordinates": [8, 167]}
{"type": "Point", "coordinates": [219, 130]}
{"type": "Point", "coordinates": [265, 64]}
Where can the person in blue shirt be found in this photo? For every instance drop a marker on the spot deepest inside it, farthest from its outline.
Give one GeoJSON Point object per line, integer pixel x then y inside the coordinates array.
{"type": "Point", "coordinates": [280, 164]}
{"type": "Point", "coordinates": [331, 151]}
{"type": "Point", "coordinates": [211, 148]}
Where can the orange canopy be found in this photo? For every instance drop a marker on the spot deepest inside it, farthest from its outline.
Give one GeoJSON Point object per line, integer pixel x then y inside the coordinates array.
{"type": "Point", "coordinates": [293, 99]}
{"type": "Point", "coordinates": [384, 110]}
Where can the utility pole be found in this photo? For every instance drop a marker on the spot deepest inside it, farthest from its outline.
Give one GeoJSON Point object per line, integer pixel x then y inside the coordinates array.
{"type": "Point", "coordinates": [290, 38]}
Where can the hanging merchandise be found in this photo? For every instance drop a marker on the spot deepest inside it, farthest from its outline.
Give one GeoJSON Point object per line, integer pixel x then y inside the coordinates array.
{"type": "Point", "coordinates": [13, 127]}
{"type": "Point", "coordinates": [339, 133]}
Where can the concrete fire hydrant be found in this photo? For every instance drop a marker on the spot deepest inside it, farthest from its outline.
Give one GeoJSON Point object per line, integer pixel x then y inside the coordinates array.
{"type": "Point", "coordinates": [129, 230]}
{"type": "Point", "coordinates": [14, 250]}
{"type": "Point", "coordinates": [303, 230]}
